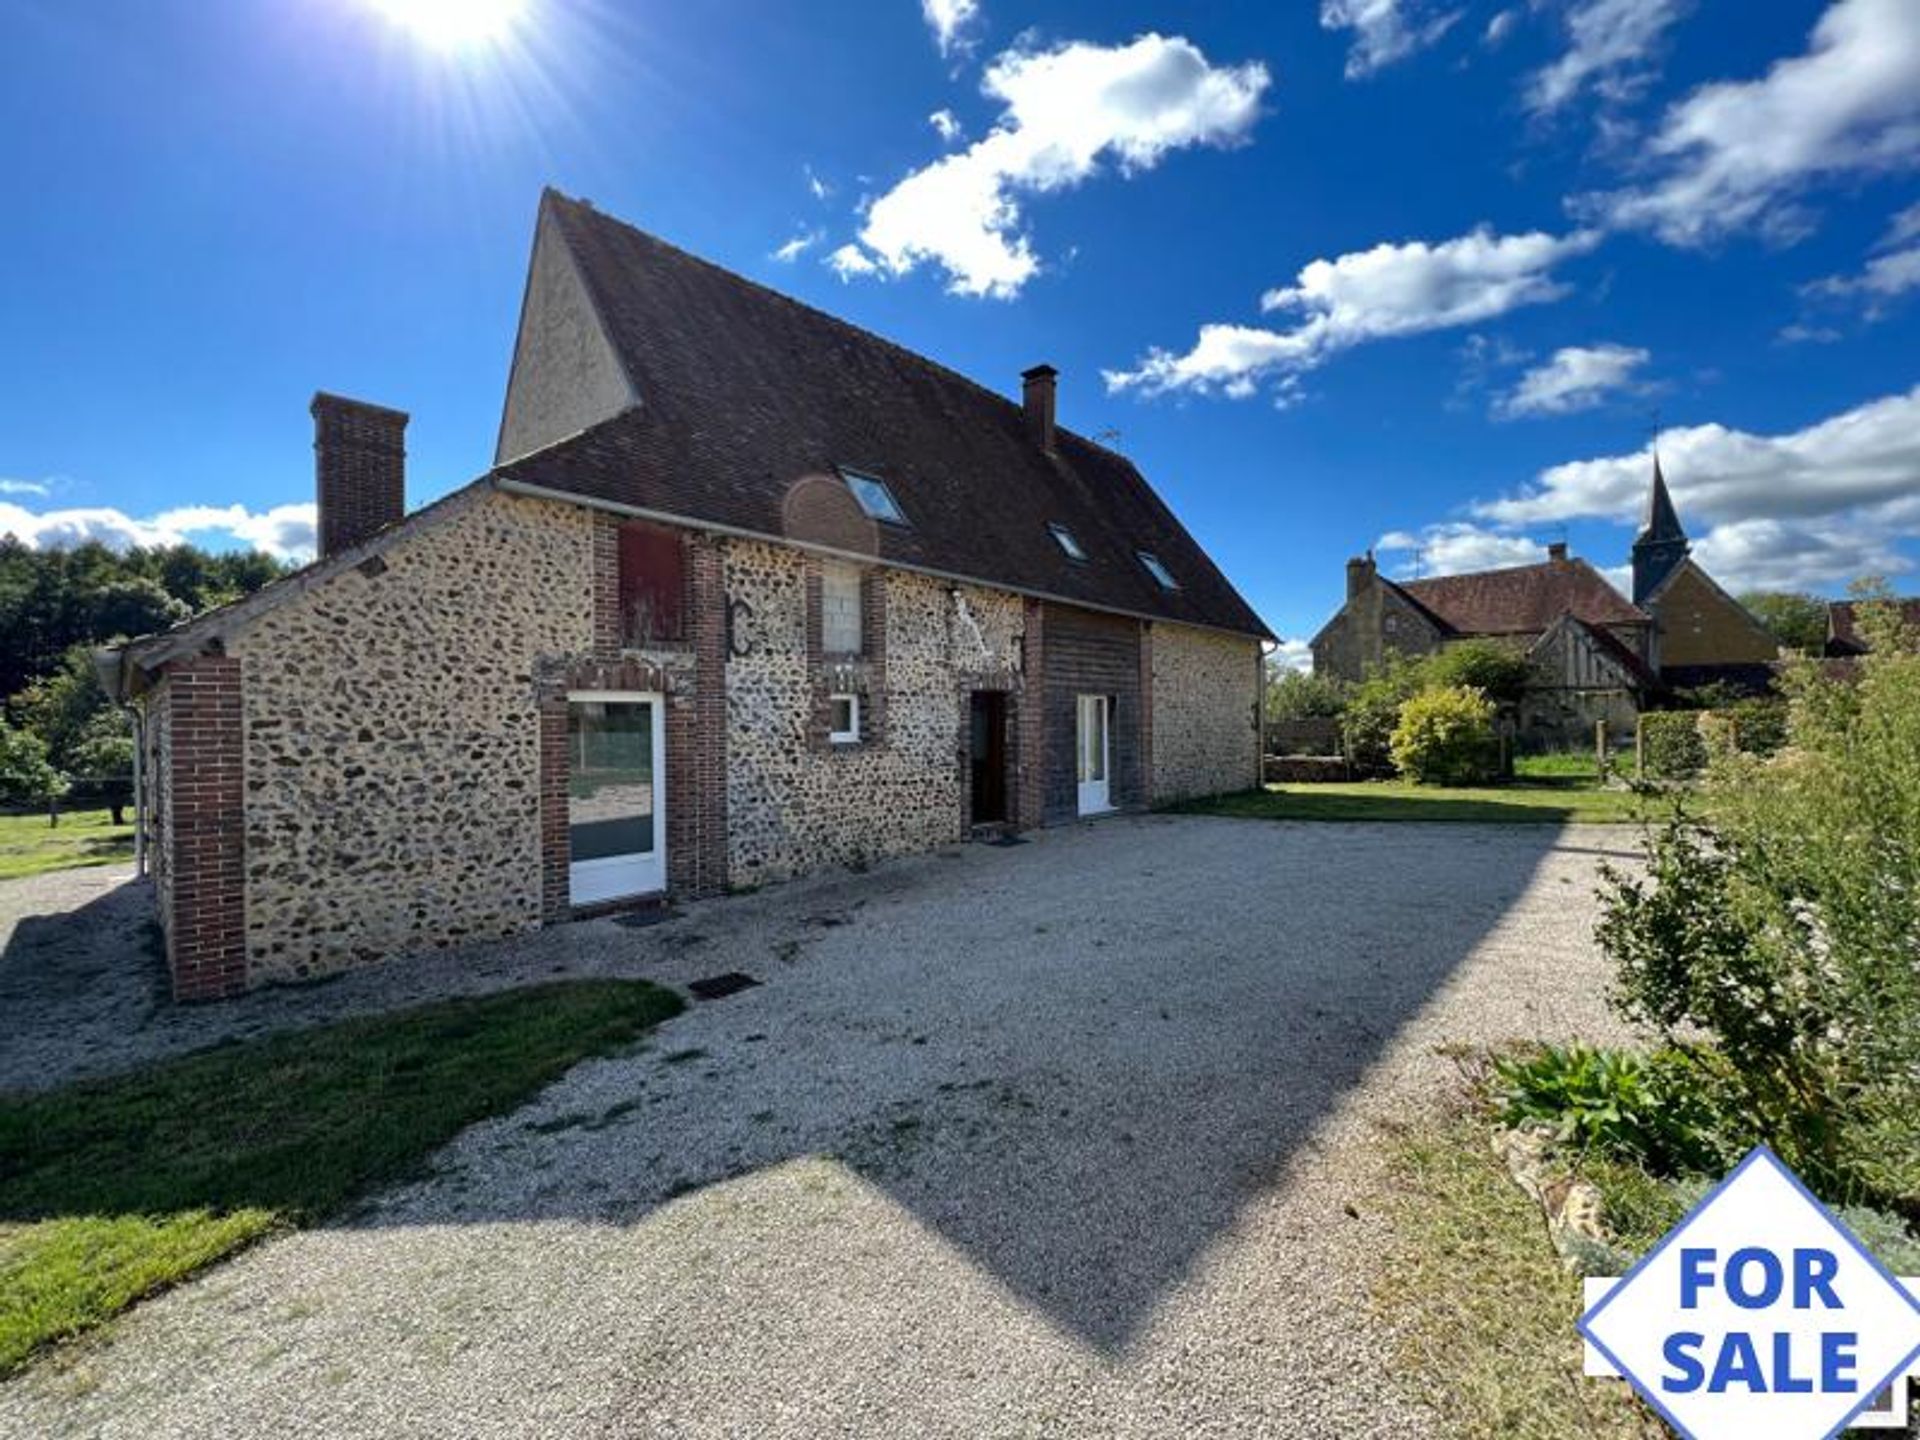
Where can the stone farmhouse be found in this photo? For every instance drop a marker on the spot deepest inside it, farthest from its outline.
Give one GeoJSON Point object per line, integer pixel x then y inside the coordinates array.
{"type": "Point", "coordinates": [748, 591]}
{"type": "Point", "coordinates": [1596, 655]}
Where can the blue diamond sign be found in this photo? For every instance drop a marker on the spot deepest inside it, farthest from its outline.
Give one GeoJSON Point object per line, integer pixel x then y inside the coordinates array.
{"type": "Point", "coordinates": [1759, 1317]}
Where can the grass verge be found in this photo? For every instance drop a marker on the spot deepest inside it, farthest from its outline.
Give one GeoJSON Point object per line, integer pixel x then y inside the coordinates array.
{"type": "Point", "coordinates": [1474, 1294]}
{"type": "Point", "coordinates": [30, 846]}
{"type": "Point", "coordinates": [112, 1189]}
{"type": "Point", "coordinates": [1536, 802]}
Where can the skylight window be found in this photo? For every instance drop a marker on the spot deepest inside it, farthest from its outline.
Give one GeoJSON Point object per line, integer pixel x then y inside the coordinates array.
{"type": "Point", "coordinates": [1159, 572]}
{"type": "Point", "coordinates": [1064, 538]}
{"type": "Point", "coordinates": [874, 497]}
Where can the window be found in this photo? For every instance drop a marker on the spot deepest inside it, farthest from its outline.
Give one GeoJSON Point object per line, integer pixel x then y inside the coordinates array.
{"type": "Point", "coordinates": [844, 727]}
{"type": "Point", "coordinates": [653, 579]}
{"type": "Point", "coordinates": [1159, 572]}
{"type": "Point", "coordinates": [874, 497]}
{"type": "Point", "coordinates": [840, 610]}
{"type": "Point", "coordinates": [1064, 538]}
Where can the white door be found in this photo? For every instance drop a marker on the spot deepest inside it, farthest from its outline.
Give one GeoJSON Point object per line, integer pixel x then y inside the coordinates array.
{"type": "Point", "coordinates": [1091, 733]}
{"type": "Point", "coordinates": [616, 795]}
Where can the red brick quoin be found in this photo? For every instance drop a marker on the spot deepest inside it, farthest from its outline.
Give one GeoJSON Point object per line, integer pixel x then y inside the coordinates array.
{"type": "Point", "coordinates": [206, 933]}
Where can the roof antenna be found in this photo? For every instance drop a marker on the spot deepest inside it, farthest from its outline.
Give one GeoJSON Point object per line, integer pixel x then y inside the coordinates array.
{"type": "Point", "coordinates": [1106, 437]}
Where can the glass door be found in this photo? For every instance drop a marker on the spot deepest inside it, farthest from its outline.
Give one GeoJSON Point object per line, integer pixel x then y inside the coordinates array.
{"type": "Point", "coordinates": [615, 796]}
{"type": "Point", "coordinates": [1091, 733]}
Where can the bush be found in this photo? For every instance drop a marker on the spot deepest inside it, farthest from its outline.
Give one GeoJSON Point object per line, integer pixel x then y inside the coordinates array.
{"type": "Point", "coordinates": [1759, 725]}
{"type": "Point", "coordinates": [1774, 941]}
{"type": "Point", "coordinates": [1499, 673]}
{"type": "Point", "coordinates": [1298, 695]}
{"type": "Point", "coordinates": [1446, 737]}
{"type": "Point", "coordinates": [1616, 1104]}
{"type": "Point", "coordinates": [1373, 709]}
{"type": "Point", "coordinates": [1671, 746]}
{"type": "Point", "coordinates": [26, 776]}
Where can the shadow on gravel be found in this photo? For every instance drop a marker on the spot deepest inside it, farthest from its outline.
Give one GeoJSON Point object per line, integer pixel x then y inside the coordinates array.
{"type": "Point", "coordinates": [1075, 1061]}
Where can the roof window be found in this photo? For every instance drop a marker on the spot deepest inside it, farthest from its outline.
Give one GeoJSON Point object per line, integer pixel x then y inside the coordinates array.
{"type": "Point", "coordinates": [1065, 539]}
{"type": "Point", "coordinates": [1160, 573]}
{"type": "Point", "coordinates": [873, 496]}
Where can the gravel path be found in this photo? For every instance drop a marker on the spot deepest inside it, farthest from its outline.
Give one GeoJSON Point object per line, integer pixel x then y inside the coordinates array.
{"type": "Point", "coordinates": [1073, 1137]}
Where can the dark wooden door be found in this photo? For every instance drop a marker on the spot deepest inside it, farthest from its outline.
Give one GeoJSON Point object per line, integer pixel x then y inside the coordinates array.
{"type": "Point", "coordinates": [988, 747]}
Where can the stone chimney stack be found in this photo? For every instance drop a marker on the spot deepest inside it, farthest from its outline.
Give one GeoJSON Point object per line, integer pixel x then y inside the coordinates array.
{"type": "Point", "coordinates": [1557, 550]}
{"type": "Point", "coordinates": [1037, 391]}
{"type": "Point", "coordinates": [360, 469]}
{"type": "Point", "coordinates": [1360, 573]}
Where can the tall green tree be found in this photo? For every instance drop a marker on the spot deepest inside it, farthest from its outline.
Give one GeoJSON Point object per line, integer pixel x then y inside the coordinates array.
{"type": "Point", "coordinates": [1798, 620]}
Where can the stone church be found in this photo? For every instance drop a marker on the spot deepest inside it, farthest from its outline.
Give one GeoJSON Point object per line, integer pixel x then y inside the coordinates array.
{"type": "Point", "coordinates": [1596, 655]}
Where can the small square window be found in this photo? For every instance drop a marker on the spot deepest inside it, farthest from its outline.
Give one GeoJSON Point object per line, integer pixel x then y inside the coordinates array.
{"type": "Point", "coordinates": [874, 497]}
{"type": "Point", "coordinates": [844, 726]}
{"type": "Point", "coordinates": [1065, 539]}
{"type": "Point", "coordinates": [1159, 572]}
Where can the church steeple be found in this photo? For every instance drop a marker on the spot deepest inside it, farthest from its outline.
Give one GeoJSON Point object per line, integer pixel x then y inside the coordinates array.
{"type": "Point", "coordinates": [1662, 544]}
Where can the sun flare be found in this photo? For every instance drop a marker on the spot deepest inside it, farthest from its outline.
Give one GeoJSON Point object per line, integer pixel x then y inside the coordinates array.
{"type": "Point", "coordinates": [451, 24]}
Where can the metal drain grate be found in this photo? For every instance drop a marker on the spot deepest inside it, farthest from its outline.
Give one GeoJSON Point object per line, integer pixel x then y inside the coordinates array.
{"type": "Point", "coordinates": [718, 987]}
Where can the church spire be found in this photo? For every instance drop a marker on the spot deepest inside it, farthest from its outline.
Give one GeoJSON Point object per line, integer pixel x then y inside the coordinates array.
{"type": "Point", "coordinates": [1662, 544]}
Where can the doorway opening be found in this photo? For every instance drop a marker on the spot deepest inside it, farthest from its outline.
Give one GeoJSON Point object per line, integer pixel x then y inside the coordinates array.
{"type": "Point", "coordinates": [987, 750]}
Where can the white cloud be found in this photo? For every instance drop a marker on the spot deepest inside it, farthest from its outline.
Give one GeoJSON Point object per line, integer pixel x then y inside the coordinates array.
{"type": "Point", "coordinates": [1799, 333]}
{"type": "Point", "coordinates": [1864, 458]}
{"type": "Point", "coordinates": [286, 531]}
{"type": "Point", "coordinates": [1292, 655]}
{"type": "Point", "coordinates": [1885, 278]}
{"type": "Point", "coordinates": [1578, 377]}
{"type": "Point", "coordinates": [950, 20]}
{"type": "Point", "coordinates": [946, 125]}
{"type": "Point", "coordinates": [1501, 26]}
{"type": "Point", "coordinates": [1390, 290]}
{"type": "Point", "coordinates": [816, 187]}
{"type": "Point", "coordinates": [1384, 31]}
{"type": "Point", "coordinates": [1796, 554]}
{"type": "Point", "coordinates": [1457, 547]}
{"type": "Point", "coordinates": [1903, 227]}
{"type": "Point", "coordinates": [798, 246]}
{"type": "Point", "coordinates": [1065, 110]}
{"type": "Point", "coordinates": [849, 261]}
{"type": "Point", "coordinates": [1736, 154]}
{"type": "Point", "coordinates": [25, 487]}
{"type": "Point", "coordinates": [1608, 45]}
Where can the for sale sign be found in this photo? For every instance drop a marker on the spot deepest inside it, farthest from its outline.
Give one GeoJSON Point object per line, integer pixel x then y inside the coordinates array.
{"type": "Point", "coordinates": [1759, 1317]}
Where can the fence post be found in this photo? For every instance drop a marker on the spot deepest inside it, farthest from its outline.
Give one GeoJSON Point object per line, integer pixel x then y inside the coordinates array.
{"type": "Point", "coordinates": [1639, 748]}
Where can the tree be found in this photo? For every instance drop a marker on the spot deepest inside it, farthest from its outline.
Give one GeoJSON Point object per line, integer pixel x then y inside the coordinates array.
{"type": "Point", "coordinates": [1300, 695]}
{"type": "Point", "coordinates": [1495, 670]}
{"type": "Point", "coordinates": [1798, 620]}
{"type": "Point", "coordinates": [26, 776]}
{"type": "Point", "coordinates": [102, 763]}
{"type": "Point", "coordinates": [60, 706]}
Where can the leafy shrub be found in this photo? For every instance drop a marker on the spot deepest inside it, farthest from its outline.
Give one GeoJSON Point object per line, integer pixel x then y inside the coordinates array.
{"type": "Point", "coordinates": [1499, 673]}
{"type": "Point", "coordinates": [1671, 745]}
{"type": "Point", "coordinates": [1798, 621]}
{"type": "Point", "coordinates": [1775, 941]}
{"type": "Point", "coordinates": [26, 776]}
{"type": "Point", "coordinates": [1445, 737]}
{"type": "Point", "coordinates": [1373, 709]}
{"type": "Point", "coordinates": [1759, 724]}
{"type": "Point", "coordinates": [1617, 1104]}
{"type": "Point", "coordinates": [1299, 695]}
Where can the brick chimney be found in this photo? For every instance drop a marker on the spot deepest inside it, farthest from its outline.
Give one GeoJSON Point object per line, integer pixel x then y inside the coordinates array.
{"type": "Point", "coordinates": [1037, 387]}
{"type": "Point", "coordinates": [360, 469]}
{"type": "Point", "coordinates": [1360, 572]}
{"type": "Point", "coordinates": [1557, 550]}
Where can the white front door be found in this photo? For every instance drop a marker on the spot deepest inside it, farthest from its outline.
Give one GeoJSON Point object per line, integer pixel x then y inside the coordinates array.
{"type": "Point", "coordinates": [1092, 743]}
{"type": "Point", "coordinates": [616, 795]}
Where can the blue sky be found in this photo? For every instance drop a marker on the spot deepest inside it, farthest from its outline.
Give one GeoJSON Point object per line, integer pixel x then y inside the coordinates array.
{"type": "Point", "coordinates": [1414, 273]}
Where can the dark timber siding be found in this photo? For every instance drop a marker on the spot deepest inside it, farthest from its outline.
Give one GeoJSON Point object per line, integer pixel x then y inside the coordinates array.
{"type": "Point", "coordinates": [1091, 654]}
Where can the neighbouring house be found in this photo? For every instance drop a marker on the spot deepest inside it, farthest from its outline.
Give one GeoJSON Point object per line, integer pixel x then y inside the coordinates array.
{"type": "Point", "coordinates": [749, 591]}
{"type": "Point", "coordinates": [1844, 639]}
{"type": "Point", "coordinates": [1596, 655]}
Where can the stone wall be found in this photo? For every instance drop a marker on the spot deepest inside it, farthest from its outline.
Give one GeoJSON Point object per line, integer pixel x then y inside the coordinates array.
{"type": "Point", "coordinates": [392, 737]}
{"type": "Point", "coordinates": [1206, 738]}
{"type": "Point", "coordinates": [793, 802]}
{"type": "Point", "coordinates": [1376, 619]}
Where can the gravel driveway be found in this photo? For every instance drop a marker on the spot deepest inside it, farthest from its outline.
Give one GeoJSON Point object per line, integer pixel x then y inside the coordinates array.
{"type": "Point", "coordinates": [1072, 1137]}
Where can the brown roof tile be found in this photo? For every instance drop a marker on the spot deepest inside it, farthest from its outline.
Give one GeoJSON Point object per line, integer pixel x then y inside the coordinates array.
{"type": "Point", "coordinates": [747, 398]}
{"type": "Point", "coordinates": [1524, 599]}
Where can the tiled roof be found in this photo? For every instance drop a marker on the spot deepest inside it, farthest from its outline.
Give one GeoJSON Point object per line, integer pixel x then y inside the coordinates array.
{"type": "Point", "coordinates": [1523, 600]}
{"type": "Point", "coordinates": [1843, 625]}
{"type": "Point", "coordinates": [748, 398]}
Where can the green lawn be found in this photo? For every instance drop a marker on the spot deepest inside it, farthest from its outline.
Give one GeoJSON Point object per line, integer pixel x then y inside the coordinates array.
{"type": "Point", "coordinates": [28, 845]}
{"type": "Point", "coordinates": [1536, 801]}
{"type": "Point", "coordinates": [112, 1189]}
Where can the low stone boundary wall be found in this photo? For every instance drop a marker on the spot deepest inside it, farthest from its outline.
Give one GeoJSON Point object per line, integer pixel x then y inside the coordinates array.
{"type": "Point", "coordinates": [1304, 769]}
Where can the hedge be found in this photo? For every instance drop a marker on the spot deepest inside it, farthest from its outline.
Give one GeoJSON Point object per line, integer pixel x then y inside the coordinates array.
{"type": "Point", "coordinates": [1671, 747]}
